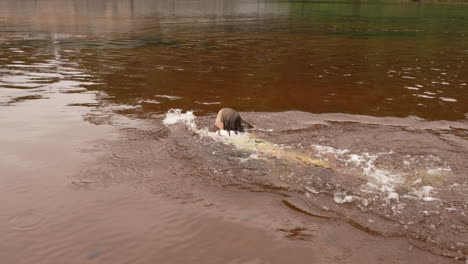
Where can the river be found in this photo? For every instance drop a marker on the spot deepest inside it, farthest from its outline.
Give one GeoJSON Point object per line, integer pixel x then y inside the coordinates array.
{"type": "Point", "coordinates": [107, 150]}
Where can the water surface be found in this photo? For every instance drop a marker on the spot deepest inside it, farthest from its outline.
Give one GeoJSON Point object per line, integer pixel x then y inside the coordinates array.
{"type": "Point", "coordinates": [376, 58]}
{"type": "Point", "coordinates": [92, 174]}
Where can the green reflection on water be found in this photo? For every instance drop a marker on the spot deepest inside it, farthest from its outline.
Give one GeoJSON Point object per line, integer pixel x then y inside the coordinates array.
{"type": "Point", "coordinates": [384, 19]}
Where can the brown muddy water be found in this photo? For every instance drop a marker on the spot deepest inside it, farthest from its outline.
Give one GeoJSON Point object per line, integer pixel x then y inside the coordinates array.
{"type": "Point", "coordinates": [107, 153]}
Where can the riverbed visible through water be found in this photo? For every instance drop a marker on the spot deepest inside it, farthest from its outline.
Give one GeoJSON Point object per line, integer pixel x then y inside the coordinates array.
{"type": "Point", "coordinates": [358, 153]}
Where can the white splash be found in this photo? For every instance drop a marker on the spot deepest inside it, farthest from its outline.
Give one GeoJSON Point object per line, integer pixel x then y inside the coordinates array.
{"type": "Point", "coordinates": [424, 96]}
{"type": "Point", "coordinates": [174, 116]}
{"type": "Point", "coordinates": [424, 193]}
{"type": "Point", "coordinates": [170, 97]}
{"type": "Point", "coordinates": [208, 103]}
{"type": "Point", "coordinates": [439, 170]}
{"type": "Point", "coordinates": [384, 180]}
{"type": "Point", "coordinates": [365, 163]}
{"type": "Point", "coordinates": [341, 198]}
{"type": "Point", "coordinates": [446, 99]}
{"type": "Point", "coordinates": [411, 88]}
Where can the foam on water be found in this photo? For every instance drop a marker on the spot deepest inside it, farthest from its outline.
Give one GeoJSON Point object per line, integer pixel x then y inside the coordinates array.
{"type": "Point", "coordinates": [411, 88]}
{"type": "Point", "coordinates": [174, 116]}
{"type": "Point", "coordinates": [170, 97]}
{"type": "Point", "coordinates": [341, 198]}
{"type": "Point", "coordinates": [381, 179]}
{"type": "Point", "coordinates": [365, 162]}
{"type": "Point", "coordinates": [208, 103]}
{"type": "Point", "coordinates": [446, 99]}
{"type": "Point", "coordinates": [424, 96]}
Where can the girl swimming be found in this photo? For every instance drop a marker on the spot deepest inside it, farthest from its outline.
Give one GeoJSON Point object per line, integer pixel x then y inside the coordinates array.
{"type": "Point", "coordinates": [230, 123]}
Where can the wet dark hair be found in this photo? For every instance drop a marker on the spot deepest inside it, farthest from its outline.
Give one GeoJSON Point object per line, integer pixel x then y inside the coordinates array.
{"type": "Point", "coordinates": [232, 121]}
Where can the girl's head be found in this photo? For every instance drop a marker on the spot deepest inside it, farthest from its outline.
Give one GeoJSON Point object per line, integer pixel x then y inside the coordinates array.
{"type": "Point", "coordinates": [230, 120]}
